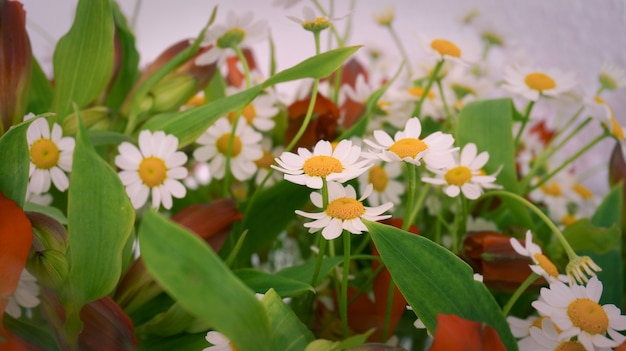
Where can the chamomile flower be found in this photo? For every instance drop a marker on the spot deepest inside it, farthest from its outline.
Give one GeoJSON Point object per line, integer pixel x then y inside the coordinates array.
{"type": "Point", "coordinates": [575, 310]}
{"type": "Point", "coordinates": [531, 82]}
{"type": "Point", "coordinates": [466, 175]}
{"type": "Point", "coordinates": [546, 337]}
{"type": "Point", "coordinates": [219, 341]}
{"type": "Point", "coordinates": [385, 187]}
{"type": "Point", "coordinates": [308, 168]}
{"type": "Point", "coordinates": [612, 77]}
{"type": "Point", "coordinates": [259, 113]}
{"type": "Point", "coordinates": [542, 264]}
{"type": "Point", "coordinates": [265, 162]}
{"type": "Point", "coordinates": [604, 112]}
{"type": "Point", "coordinates": [556, 194]}
{"type": "Point", "coordinates": [385, 16]}
{"type": "Point", "coordinates": [445, 49]}
{"type": "Point", "coordinates": [312, 22]}
{"type": "Point", "coordinates": [245, 149]}
{"type": "Point", "coordinates": [154, 168]}
{"type": "Point", "coordinates": [436, 149]}
{"type": "Point", "coordinates": [236, 32]}
{"type": "Point", "coordinates": [25, 295]}
{"type": "Point", "coordinates": [50, 156]}
{"type": "Point", "coordinates": [344, 211]}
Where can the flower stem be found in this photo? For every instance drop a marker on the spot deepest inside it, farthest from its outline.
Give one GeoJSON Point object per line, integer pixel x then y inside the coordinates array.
{"type": "Point", "coordinates": [531, 278]}
{"type": "Point", "coordinates": [398, 42]}
{"type": "Point", "coordinates": [344, 283]}
{"type": "Point", "coordinates": [323, 241]}
{"type": "Point", "coordinates": [390, 293]}
{"type": "Point", "coordinates": [418, 107]}
{"type": "Point", "coordinates": [410, 196]}
{"type": "Point", "coordinates": [529, 108]}
{"type": "Point", "coordinates": [446, 108]}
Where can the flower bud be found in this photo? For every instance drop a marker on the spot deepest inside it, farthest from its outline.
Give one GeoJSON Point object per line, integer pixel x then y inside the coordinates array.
{"type": "Point", "coordinates": [94, 118]}
{"type": "Point", "coordinates": [47, 260]}
{"type": "Point", "coordinates": [172, 92]}
{"type": "Point", "coordinates": [50, 267]}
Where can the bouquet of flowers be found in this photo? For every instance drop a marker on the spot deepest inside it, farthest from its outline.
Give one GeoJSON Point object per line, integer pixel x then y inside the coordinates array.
{"type": "Point", "coordinates": [193, 205]}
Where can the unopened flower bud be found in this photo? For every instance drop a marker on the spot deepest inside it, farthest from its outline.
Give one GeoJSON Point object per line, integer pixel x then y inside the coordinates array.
{"type": "Point", "coordinates": [50, 267]}
{"type": "Point", "coordinates": [94, 118]}
{"type": "Point", "coordinates": [172, 92]}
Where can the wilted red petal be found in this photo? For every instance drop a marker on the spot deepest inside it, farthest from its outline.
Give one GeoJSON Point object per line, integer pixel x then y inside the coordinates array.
{"type": "Point", "coordinates": [617, 174]}
{"type": "Point", "coordinates": [621, 347]}
{"type": "Point", "coordinates": [323, 124]}
{"type": "Point", "coordinates": [542, 131]}
{"type": "Point", "coordinates": [16, 237]}
{"type": "Point", "coordinates": [351, 69]}
{"type": "Point", "coordinates": [106, 327]}
{"type": "Point", "coordinates": [15, 63]}
{"type": "Point", "coordinates": [234, 76]}
{"type": "Point", "coordinates": [456, 333]}
{"type": "Point", "coordinates": [351, 111]}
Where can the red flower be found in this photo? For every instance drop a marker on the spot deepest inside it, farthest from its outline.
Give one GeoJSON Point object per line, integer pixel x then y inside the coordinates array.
{"type": "Point", "coordinates": [323, 124]}
{"type": "Point", "coordinates": [456, 333]}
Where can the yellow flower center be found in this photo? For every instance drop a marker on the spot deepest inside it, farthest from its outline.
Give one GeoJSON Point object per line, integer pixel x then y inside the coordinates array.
{"type": "Point", "coordinates": [322, 166]}
{"type": "Point", "coordinates": [248, 112]}
{"type": "Point", "coordinates": [588, 315]}
{"type": "Point", "coordinates": [547, 265]}
{"type": "Point", "coordinates": [345, 208]}
{"type": "Point", "coordinates": [319, 24]}
{"type": "Point", "coordinates": [408, 147]}
{"type": "Point", "coordinates": [599, 100]}
{"type": "Point", "coordinates": [539, 81]}
{"type": "Point", "coordinates": [378, 177]}
{"type": "Point", "coordinates": [568, 220]}
{"type": "Point", "coordinates": [445, 47]}
{"type": "Point", "coordinates": [458, 175]}
{"type": "Point", "coordinates": [551, 189]}
{"type": "Point", "coordinates": [222, 145]}
{"type": "Point", "coordinates": [418, 91]}
{"type": "Point", "coordinates": [266, 160]}
{"type": "Point", "coordinates": [570, 345]}
{"type": "Point", "coordinates": [152, 171]}
{"type": "Point", "coordinates": [44, 153]}
{"type": "Point", "coordinates": [616, 129]}
{"type": "Point", "coordinates": [583, 191]}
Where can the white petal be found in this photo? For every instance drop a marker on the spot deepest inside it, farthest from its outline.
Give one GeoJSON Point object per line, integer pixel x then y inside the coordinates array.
{"type": "Point", "coordinates": [59, 178]}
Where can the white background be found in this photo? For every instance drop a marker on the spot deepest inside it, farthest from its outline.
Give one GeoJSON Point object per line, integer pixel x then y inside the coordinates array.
{"type": "Point", "coordinates": [576, 35]}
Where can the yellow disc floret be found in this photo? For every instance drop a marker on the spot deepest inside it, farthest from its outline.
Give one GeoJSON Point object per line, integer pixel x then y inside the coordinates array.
{"type": "Point", "coordinates": [222, 145]}
{"type": "Point", "coordinates": [588, 315]}
{"type": "Point", "coordinates": [152, 171]}
{"type": "Point", "coordinates": [378, 177]}
{"type": "Point", "coordinates": [570, 345]}
{"type": "Point", "coordinates": [547, 265]}
{"type": "Point", "coordinates": [44, 153]}
{"type": "Point", "coordinates": [408, 147]}
{"type": "Point", "coordinates": [458, 175]}
{"type": "Point", "coordinates": [322, 166]}
{"type": "Point", "coordinates": [551, 189]}
{"type": "Point", "coordinates": [445, 47]}
{"type": "Point", "coordinates": [539, 81]}
{"type": "Point", "coordinates": [345, 208]}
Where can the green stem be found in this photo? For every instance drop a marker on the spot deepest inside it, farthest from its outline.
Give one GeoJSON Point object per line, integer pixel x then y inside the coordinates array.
{"type": "Point", "coordinates": [390, 293]}
{"type": "Point", "coordinates": [244, 64]}
{"type": "Point", "coordinates": [332, 26]}
{"type": "Point", "coordinates": [569, 161]}
{"type": "Point", "coordinates": [531, 278]}
{"type": "Point", "coordinates": [446, 108]}
{"type": "Point", "coordinates": [323, 241]}
{"type": "Point", "coordinates": [525, 119]}
{"type": "Point", "coordinates": [461, 225]}
{"type": "Point", "coordinates": [344, 283]}
{"type": "Point", "coordinates": [406, 223]}
{"type": "Point", "coordinates": [559, 235]}
{"type": "Point", "coordinates": [419, 203]}
{"type": "Point", "coordinates": [405, 56]}
{"type": "Point", "coordinates": [418, 107]}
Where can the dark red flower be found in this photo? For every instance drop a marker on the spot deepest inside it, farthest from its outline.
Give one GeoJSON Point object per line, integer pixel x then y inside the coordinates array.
{"type": "Point", "coordinates": [456, 333]}
{"type": "Point", "coordinates": [323, 124]}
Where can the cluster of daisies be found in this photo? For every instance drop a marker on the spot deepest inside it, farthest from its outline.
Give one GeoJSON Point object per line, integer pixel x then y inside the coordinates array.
{"type": "Point", "coordinates": [569, 315]}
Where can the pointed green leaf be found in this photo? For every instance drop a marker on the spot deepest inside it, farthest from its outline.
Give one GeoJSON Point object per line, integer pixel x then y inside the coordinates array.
{"type": "Point", "coordinates": [489, 125]}
{"type": "Point", "coordinates": [83, 58]}
{"type": "Point", "coordinates": [433, 280]}
{"type": "Point", "coordinates": [100, 220]}
{"type": "Point", "coordinates": [288, 332]}
{"type": "Point", "coordinates": [41, 93]}
{"type": "Point", "coordinates": [199, 280]}
{"type": "Point", "coordinates": [260, 282]}
{"type": "Point", "coordinates": [15, 163]}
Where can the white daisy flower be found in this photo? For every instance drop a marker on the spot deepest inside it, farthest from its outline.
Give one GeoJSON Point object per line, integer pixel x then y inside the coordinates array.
{"type": "Point", "coordinates": [199, 175]}
{"type": "Point", "coordinates": [259, 113]}
{"type": "Point", "coordinates": [612, 77]}
{"type": "Point", "coordinates": [445, 49]}
{"type": "Point", "coordinates": [385, 16]}
{"type": "Point", "coordinates": [466, 175]}
{"type": "Point", "coordinates": [265, 162]}
{"type": "Point", "coordinates": [245, 149]}
{"type": "Point", "coordinates": [530, 82]}
{"type": "Point", "coordinates": [344, 211]}
{"type": "Point", "coordinates": [50, 156]}
{"type": "Point", "coordinates": [308, 168]}
{"type": "Point", "coordinates": [575, 310]}
{"type": "Point", "coordinates": [153, 168]}
{"type": "Point", "coordinates": [556, 194]}
{"type": "Point", "coordinates": [219, 341]}
{"type": "Point", "coordinates": [311, 22]}
{"type": "Point", "coordinates": [238, 31]}
{"type": "Point", "coordinates": [546, 337]}
{"type": "Point", "coordinates": [436, 149]}
{"type": "Point", "coordinates": [385, 187]}
{"type": "Point", "coordinates": [542, 264]}
{"type": "Point", "coordinates": [432, 105]}
{"type": "Point", "coordinates": [25, 295]}
{"type": "Point", "coordinates": [604, 113]}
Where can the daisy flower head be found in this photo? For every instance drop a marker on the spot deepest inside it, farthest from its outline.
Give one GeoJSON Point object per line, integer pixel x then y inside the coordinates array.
{"type": "Point", "coordinates": [259, 113]}
{"type": "Point", "coordinates": [344, 211]}
{"type": "Point", "coordinates": [338, 164]}
{"type": "Point", "coordinates": [50, 156]}
{"type": "Point", "coordinates": [575, 310]}
{"type": "Point", "coordinates": [154, 168]}
{"type": "Point", "coordinates": [311, 22]}
{"type": "Point", "coordinates": [579, 268]}
{"type": "Point", "coordinates": [436, 149]}
{"type": "Point", "coordinates": [245, 149]}
{"type": "Point", "coordinates": [382, 178]}
{"type": "Point", "coordinates": [265, 162]}
{"type": "Point", "coordinates": [445, 49]}
{"type": "Point", "coordinates": [26, 295]}
{"type": "Point", "coordinates": [466, 175]}
{"type": "Point", "coordinates": [546, 337]}
{"type": "Point", "coordinates": [531, 82]}
{"type": "Point", "coordinates": [385, 16]}
{"type": "Point", "coordinates": [236, 32]}
{"type": "Point", "coordinates": [604, 112]}
{"type": "Point", "coordinates": [542, 264]}
{"type": "Point", "coordinates": [612, 77]}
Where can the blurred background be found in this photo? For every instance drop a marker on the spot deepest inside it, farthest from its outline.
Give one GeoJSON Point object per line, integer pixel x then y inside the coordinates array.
{"type": "Point", "coordinates": [572, 35]}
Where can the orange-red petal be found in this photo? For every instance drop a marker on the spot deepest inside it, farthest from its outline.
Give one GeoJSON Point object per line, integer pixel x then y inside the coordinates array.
{"type": "Point", "coordinates": [456, 333]}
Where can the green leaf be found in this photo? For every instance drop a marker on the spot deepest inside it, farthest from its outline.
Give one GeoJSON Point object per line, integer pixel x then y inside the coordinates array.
{"type": "Point", "coordinates": [304, 272]}
{"type": "Point", "coordinates": [83, 58]}
{"type": "Point", "coordinates": [100, 220]}
{"type": "Point", "coordinates": [49, 211]}
{"type": "Point", "coordinates": [609, 213]}
{"type": "Point", "coordinates": [319, 66]}
{"type": "Point", "coordinates": [261, 282]}
{"type": "Point", "coordinates": [489, 125]}
{"type": "Point", "coordinates": [102, 137]}
{"type": "Point", "coordinates": [180, 342]}
{"type": "Point", "coordinates": [41, 93]}
{"type": "Point", "coordinates": [269, 214]}
{"type": "Point", "coordinates": [199, 280]}
{"type": "Point", "coordinates": [15, 163]}
{"type": "Point", "coordinates": [434, 280]}
{"type": "Point", "coordinates": [288, 332]}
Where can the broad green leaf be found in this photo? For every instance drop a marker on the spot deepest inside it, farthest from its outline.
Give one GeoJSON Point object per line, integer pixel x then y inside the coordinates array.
{"type": "Point", "coordinates": [304, 272]}
{"type": "Point", "coordinates": [260, 282]}
{"type": "Point", "coordinates": [102, 137]}
{"type": "Point", "coordinates": [199, 280]}
{"type": "Point", "coordinates": [180, 342]}
{"type": "Point", "coordinates": [100, 220]}
{"type": "Point", "coordinates": [268, 215]}
{"type": "Point", "coordinates": [609, 213]}
{"type": "Point", "coordinates": [287, 331]}
{"type": "Point", "coordinates": [83, 58]}
{"type": "Point", "coordinates": [434, 280]}
{"type": "Point", "coordinates": [15, 163]}
{"type": "Point", "coordinates": [319, 66]}
{"type": "Point", "coordinates": [489, 125]}
{"type": "Point", "coordinates": [41, 93]}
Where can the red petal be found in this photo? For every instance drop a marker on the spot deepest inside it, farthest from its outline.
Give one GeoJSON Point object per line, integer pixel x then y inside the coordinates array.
{"type": "Point", "coordinates": [323, 124]}
{"type": "Point", "coordinates": [106, 327]}
{"type": "Point", "coordinates": [456, 333]}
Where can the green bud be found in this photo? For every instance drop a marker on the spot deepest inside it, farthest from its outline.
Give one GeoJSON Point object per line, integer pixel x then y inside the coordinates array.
{"type": "Point", "coordinates": [318, 25]}
{"type": "Point", "coordinates": [50, 267]}
{"type": "Point", "coordinates": [94, 118]}
{"type": "Point", "coordinates": [48, 232]}
{"type": "Point", "coordinates": [231, 39]}
{"type": "Point", "coordinates": [172, 92]}
{"type": "Point", "coordinates": [607, 81]}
